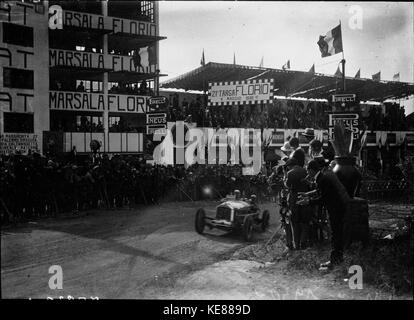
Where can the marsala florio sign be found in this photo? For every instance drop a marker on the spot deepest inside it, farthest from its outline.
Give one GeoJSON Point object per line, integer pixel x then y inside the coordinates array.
{"type": "Point", "coordinates": [59, 18]}
{"type": "Point", "coordinates": [83, 101]}
{"type": "Point", "coordinates": [90, 60]}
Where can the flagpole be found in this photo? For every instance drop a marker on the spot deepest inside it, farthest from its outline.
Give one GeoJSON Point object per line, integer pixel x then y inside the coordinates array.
{"type": "Point", "coordinates": [204, 80]}
{"type": "Point", "coordinates": [343, 60]}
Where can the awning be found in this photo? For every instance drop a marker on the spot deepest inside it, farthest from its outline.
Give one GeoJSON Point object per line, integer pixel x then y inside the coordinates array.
{"type": "Point", "coordinates": [291, 83]}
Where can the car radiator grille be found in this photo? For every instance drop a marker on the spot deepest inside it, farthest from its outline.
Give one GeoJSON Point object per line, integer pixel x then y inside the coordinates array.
{"type": "Point", "coordinates": [223, 213]}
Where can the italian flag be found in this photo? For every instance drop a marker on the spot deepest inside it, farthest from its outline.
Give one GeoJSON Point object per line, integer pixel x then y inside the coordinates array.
{"type": "Point", "coordinates": [331, 43]}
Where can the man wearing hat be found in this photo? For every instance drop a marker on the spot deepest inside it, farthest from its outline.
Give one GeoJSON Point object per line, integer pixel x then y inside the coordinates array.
{"type": "Point", "coordinates": [315, 151]}
{"type": "Point", "coordinates": [309, 134]}
{"type": "Point", "coordinates": [328, 153]}
{"type": "Point", "coordinates": [298, 153]}
{"type": "Point", "coordinates": [295, 182]}
{"type": "Point", "coordinates": [333, 195]}
{"type": "Point", "coordinates": [287, 150]}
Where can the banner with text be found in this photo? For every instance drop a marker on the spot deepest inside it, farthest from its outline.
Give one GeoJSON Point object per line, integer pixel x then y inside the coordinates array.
{"type": "Point", "coordinates": [145, 63]}
{"type": "Point", "coordinates": [156, 121]}
{"type": "Point", "coordinates": [349, 119]}
{"type": "Point", "coordinates": [83, 101]}
{"type": "Point", "coordinates": [240, 92]}
{"type": "Point", "coordinates": [11, 143]}
{"type": "Point", "coordinates": [116, 25]}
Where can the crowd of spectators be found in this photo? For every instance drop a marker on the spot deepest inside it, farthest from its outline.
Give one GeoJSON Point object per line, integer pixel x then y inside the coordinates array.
{"type": "Point", "coordinates": [389, 117]}
{"type": "Point", "coordinates": [33, 186]}
{"type": "Point", "coordinates": [122, 126]}
{"type": "Point", "coordinates": [293, 114]}
{"type": "Point", "coordinates": [134, 89]}
{"type": "Point", "coordinates": [117, 88]}
{"type": "Point", "coordinates": [86, 124]}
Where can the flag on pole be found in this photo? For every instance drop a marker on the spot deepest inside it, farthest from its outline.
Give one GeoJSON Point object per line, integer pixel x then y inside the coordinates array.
{"type": "Point", "coordinates": [261, 63]}
{"type": "Point", "coordinates": [312, 69]}
{"type": "Point", "coordinates": [331, 43]}
{"type": "Point", "coordinates": [234, 58]}
{"type": "Point", "coordinates": [358, 74]}
{"type": "Point", "coordinates": [203, 61]}
{"type": "Point", "coordinates": [286, 65]}
{"type": "Point", "coordinates": [338, 73]}
{"type": "Point", "coordinates": [396, 77]}
{"type": "Point", "coordinates": [377, 76]}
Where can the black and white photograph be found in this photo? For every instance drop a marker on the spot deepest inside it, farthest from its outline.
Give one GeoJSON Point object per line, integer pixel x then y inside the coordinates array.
{"type": "Point", "coordinates": [224, 152]}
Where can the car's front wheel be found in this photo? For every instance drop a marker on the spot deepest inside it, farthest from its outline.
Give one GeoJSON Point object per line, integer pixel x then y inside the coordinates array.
{"type": "Point", "coordinates": [248, 228]}
{"type": "Point", "coordinates": [200, 221]}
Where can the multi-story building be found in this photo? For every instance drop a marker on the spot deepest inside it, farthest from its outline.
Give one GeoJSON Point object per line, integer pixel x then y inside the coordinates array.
{"type": "Point", "coordinates": [77, 71]}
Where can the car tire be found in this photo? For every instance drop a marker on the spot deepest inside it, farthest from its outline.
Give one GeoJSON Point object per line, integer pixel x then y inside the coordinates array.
{"type": "Point", "coordinates": [248, 228]}
{"type": "Point", "coordinates": [200, 221]}
{"type": "Point", "coordinates": [265, 220]}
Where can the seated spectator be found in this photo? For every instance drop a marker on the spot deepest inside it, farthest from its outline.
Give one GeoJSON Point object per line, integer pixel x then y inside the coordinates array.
{"type": "Point", "coordinates": [80, 87]}
{"type": "Point", "coordinates": [143, 87]}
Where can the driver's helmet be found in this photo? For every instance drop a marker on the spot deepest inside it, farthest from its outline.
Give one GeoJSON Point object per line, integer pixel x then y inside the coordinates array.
{"type": "Point", "coordinates": [253, 198]}
{"type": "Point", "coordinates": [237, 194]}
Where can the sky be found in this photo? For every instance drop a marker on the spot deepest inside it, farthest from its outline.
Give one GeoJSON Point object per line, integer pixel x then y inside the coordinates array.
{"type": "Point", "coordinates": [376, 36]}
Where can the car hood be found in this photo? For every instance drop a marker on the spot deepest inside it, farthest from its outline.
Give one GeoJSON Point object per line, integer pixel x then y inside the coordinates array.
{"type": "Point", "coordinates": [235, 204]}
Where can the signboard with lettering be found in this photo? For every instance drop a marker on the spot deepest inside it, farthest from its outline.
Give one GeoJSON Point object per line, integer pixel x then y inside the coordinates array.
{"type": "Point", "coordinates": [157, 100]}
{"type": "Point", "coordinates": [91, 60]}
{"type": "Point", "coordinates": [116, 25]}
{"type": "Point", "coordinates": [18, 142]}
{"type": "Point", "coordinates": [83, 101]}
{"type": "Point", "coordinates": [156, 121]}
{"type": "Point", "coordinates": [278, 138]}
{"type": "Point", "coordinates": [157, 104]}
{"type": "Point", "coordinates": [16, 100]}
{"type": "Point", "coordinates": [345, 97]}
{"type": "Point", "coordinates": [349, 119]}
{"type": "Point", "coordinates": [240, 92]}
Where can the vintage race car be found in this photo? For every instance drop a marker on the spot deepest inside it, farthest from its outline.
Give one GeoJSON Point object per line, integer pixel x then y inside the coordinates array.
{"type": "Point", "coordinates": [234, 214]}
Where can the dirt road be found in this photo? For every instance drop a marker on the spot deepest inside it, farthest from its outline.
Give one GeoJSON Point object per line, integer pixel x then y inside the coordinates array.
{"type": "Point", "coordinates": [154, 253]}
{"type": "Point", "coordinates": [112, 254]}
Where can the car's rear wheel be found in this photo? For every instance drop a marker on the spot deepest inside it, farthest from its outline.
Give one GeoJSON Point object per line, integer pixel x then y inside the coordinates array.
{"type": "Point", "coordinates": [265, 220]}
{"type": "Point", "coordinates": [200, 221]}
{"type": "Point", "coordinates": [248, 228]}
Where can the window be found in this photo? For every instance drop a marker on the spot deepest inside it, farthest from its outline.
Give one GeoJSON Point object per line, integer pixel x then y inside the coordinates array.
{"type": "Point", "coordinates": [18, 35]}
{"type": "Point", "coordinates": [147, 10]}
{"type": "Point", "coordinates": [18, 78]}
{"type": "Point", "coordinates": [68, 121]}
{"type": "Point", "coordinates": [89, 6]}
{"type": "Point", "coordinates": [126, 123]}
{"type": "Point", "coordinates": [134, 10]}
{"type": "Point", "coordinates": [18, 122]}
{"type": "Point", "coordinates": [89, 123]}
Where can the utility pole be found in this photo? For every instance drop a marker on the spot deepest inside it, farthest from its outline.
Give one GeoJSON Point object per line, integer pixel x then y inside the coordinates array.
{"type": "Point", "coordinates": [343, 73]}
{"type": "Point", "coordinates": [343, 62]}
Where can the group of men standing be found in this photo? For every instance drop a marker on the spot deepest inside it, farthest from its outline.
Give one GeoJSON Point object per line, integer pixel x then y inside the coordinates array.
{"type": "Point", "coordinates": [311, 187]}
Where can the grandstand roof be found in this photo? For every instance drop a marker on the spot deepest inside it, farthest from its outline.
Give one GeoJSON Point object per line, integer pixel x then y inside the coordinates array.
{"type": "Point", "coordinates": [291, 83]}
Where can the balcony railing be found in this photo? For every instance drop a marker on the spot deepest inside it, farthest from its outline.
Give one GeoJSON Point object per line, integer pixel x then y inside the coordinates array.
{"type": "Point", "coordinates": [113, 142]}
